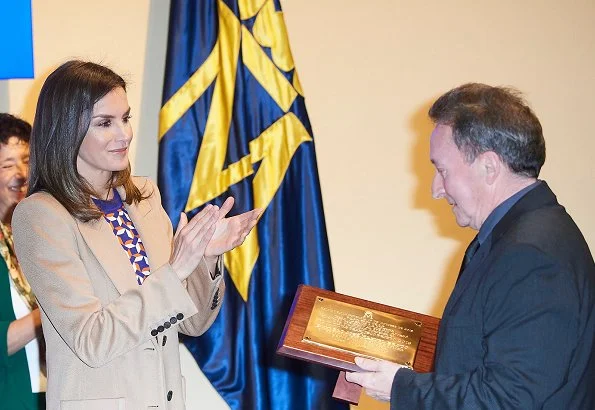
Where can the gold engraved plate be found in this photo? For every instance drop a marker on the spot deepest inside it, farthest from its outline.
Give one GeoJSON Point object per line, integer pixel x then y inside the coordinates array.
{"type": "Point", "coordinates": [362, 331]}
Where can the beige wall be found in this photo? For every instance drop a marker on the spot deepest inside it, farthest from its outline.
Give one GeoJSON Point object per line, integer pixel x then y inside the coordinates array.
{"type": "Point", "coordinates": [370, 70]}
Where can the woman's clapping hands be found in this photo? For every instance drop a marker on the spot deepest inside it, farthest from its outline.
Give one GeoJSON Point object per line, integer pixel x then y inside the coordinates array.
{"type": "Point", "coordinates": [209, 234]}
{"type": "Point", "coordinates": [231, 232]}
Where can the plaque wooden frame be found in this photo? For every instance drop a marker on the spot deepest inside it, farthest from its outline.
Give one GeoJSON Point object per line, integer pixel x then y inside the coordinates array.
{"type": "Point", "coordinates": [292, 344]}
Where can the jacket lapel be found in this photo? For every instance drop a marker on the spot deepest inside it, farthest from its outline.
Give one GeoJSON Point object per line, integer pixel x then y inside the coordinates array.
{"type": "Point", "coordinates": [538, 197]}
{"type": "Point", "coordinates": [143, 217]}
{"type": "Point", "coordinates": [465, 277]}
{"type": "Point", "coordinates": [151, 232]}
{"type": "Point", "coordinates": [105, 246]}
{"type": "Point", "coordinates": [101, 240]}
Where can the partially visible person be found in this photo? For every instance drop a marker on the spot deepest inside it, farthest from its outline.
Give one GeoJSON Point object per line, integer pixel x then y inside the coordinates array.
{"type": "Point", "coordinates": [114, 283]}
{"type": "Point", "coordinates": [518, 331]}
{"type": "Point", "coordinates": [22, 371]}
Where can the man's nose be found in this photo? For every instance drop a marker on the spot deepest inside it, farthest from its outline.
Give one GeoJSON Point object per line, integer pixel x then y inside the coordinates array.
{"type": "Point", "coordinates": [437, 187]}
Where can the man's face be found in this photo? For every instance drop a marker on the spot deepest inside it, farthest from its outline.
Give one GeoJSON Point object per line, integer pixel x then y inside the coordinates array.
{"type": "Point", "coordinates": [14, 168]}
{"type": "Point", "coordinates": [460, 183]}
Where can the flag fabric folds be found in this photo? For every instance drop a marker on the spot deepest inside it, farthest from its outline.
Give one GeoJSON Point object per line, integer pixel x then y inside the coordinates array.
{"type": "Point", "coordinates": [234, 122]}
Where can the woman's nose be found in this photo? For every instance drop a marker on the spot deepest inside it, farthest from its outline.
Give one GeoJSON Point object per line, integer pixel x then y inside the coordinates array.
{"type": "Point", "coordinates": [23, 170]}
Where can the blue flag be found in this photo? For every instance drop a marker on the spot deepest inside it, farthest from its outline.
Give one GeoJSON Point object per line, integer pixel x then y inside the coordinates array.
{"type": "Point", "coordinates": [234, 123]}
{"type": "Point", "coordinates": [16, 35]}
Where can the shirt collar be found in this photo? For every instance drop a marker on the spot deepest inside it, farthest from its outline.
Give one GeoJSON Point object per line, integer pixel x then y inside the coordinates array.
{"type": "Point", "coordinates": [110, 205]}
{"type": "Point", "coordinates": [498, 213]}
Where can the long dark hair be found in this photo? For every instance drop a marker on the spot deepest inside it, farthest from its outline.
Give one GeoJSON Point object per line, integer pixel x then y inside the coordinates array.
{"type": "Point", "coordinates": [62, 118]}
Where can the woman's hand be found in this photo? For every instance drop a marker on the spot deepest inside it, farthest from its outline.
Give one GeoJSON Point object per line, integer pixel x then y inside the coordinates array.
{"type": "Point", "coordinates": [22, 331]}
{"type": "Point", "coordinates": [231, 232]}
{"type": "Point", "coordinates": [191, 239]}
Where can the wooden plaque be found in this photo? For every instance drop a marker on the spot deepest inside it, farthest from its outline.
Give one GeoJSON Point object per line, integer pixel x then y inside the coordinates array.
{"type": "Point", "coordinates": [295, 341]}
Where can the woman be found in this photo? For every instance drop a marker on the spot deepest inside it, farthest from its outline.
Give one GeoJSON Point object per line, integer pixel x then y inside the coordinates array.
{"type": "Point", "coordinates": [22, 374]}
{"type": "Point", "coordinates": [114, 285]}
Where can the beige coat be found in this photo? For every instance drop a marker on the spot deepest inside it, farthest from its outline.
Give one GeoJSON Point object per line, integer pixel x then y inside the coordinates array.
{"type": "Point", "coordinates": [98, 322]}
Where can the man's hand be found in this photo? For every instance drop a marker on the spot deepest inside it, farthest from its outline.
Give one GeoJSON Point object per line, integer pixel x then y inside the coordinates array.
{"type": "Point", "coordinates": [376, 377]}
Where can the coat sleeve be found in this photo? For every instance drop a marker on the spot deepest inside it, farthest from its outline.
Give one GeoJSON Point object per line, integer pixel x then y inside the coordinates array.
{"type": "Point", "coordinates": [529, 332]}
{"type": "Point", "coordinates": [47, 246]}
{"type": "Point", "coordinates": [206, 289]}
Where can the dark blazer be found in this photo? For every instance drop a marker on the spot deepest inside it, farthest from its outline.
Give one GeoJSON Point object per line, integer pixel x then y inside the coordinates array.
{"type": "Point", "coordinates": [15, 383]}
{"type": "Point", "coordinates": [518, 330]}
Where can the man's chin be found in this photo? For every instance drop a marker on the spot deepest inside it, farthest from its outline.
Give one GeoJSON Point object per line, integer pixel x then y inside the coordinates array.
{"type": "Point", "coordinates": [462, 221]}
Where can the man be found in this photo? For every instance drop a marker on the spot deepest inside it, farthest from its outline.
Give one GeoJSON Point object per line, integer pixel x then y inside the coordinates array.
{"type": "Point", "coordinates": [518, 330]}
{"type": "Point", "coordinates": [22, 375]}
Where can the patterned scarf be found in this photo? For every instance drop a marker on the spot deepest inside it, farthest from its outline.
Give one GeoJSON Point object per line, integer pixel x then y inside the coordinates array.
{"type": "Point", "coordinates": [14, 269]}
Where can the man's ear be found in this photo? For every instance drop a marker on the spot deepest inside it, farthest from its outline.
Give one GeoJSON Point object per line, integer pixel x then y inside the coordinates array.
{"type": "Point", "coordinates": [491, 164]}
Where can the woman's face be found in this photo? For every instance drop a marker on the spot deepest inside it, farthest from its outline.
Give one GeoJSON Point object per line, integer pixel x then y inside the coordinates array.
{"type": "Point", "coordinates": [105, 146]}
{"type": "Point", "coordinates": [14, 168]}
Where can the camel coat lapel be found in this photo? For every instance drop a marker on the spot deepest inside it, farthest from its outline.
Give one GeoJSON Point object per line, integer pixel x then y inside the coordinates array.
{"type": "Point", "coordinates": [102, 242]}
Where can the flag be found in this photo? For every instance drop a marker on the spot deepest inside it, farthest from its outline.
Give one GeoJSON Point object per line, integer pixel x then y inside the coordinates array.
{"type": "Point", "coordinates": [234, 123]}
{"type": "Point", "coordinates": [17, 39]}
